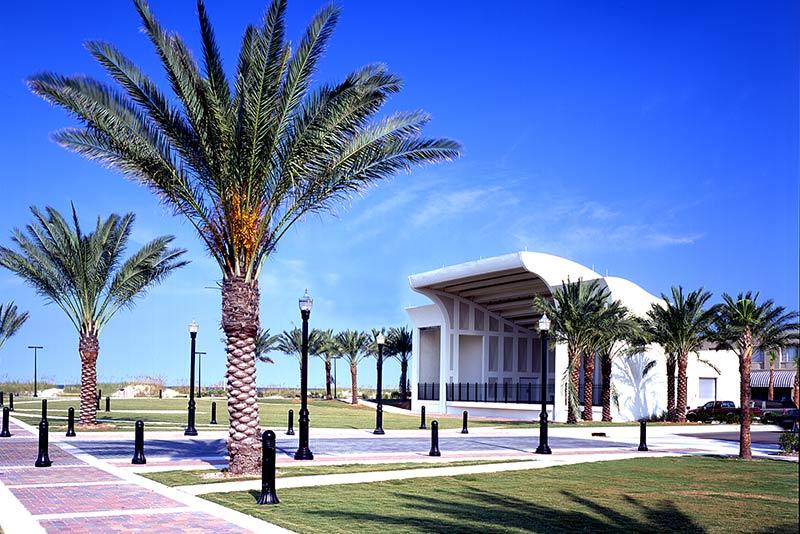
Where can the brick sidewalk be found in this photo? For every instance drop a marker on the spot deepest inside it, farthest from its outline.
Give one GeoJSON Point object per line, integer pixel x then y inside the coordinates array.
{"type": "Point", "coordinates": [80, 494]}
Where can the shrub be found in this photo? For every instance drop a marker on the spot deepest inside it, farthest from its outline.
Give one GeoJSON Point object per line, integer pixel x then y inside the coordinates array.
{"type": "Point", "coordinates": [789, 442]}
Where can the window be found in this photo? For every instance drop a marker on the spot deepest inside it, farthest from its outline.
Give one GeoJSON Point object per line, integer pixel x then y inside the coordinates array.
{"type": "Point", "coordinates": [508, 354]}
{"type": "Point", "coordinates": [493, 353]}
{"type": "Point", "coordinates": [728, 404]}
{"type": "Point", "coordinates": [522, 355]}
{"type": "Point", "coordinates": [707, 389]}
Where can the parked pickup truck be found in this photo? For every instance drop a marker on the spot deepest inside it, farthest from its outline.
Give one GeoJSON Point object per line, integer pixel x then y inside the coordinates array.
{"type": "Point", "coordinates": [769, 412]}
{"type": "Point", "coordinates": [713, 411]}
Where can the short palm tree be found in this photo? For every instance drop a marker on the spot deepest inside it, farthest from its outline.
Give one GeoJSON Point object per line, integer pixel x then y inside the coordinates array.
{"type": "Point", "coordinates": [11, 320]}
{"type": "Point", "coordinates": [613, 334]}
{"type": "Point", "coordinates": [290, 342]}
{"type": "Point", "coordinates": [742, 324]}
{"type": "Point", "coordinates": [354, 346]}
{"type": "Point", "coordinates": [399, 345]}
{"type": "Point", "coordinates": [328, 351]}
{"type": "Point", "coordinates": [680, 325]}
{"type": "Point", "coordinates": [573, 314]}
{"type": "Point", "coordinates": [242, 159]}
{"type": "Point", "coordinates": [84, 274]}
{"type": "Point", "coordinates": [266, 343]}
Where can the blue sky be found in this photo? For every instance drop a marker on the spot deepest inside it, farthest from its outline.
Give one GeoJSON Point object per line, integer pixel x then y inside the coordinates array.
{"type": "Point", "coordinates": [655, 141]}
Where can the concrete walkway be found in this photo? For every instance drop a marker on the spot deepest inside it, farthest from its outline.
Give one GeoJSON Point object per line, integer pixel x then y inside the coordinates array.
{"type": "Point", "coordinates": [82, 494]}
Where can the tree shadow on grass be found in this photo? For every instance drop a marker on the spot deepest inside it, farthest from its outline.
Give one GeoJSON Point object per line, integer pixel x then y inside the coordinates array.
{"type": "Point", "coordinates": [471, 509]}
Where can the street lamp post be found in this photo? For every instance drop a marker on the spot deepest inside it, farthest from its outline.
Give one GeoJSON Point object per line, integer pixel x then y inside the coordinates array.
{"type": "Point", "coordinates": [35, 367]}
{"type": "Point", "coordinates": [381, 339]}
{"type": "Point", "coordinates": [543, 448]}
{"type": "Point", "coordinates": [200, 354]}
{"type": "Point", "coordinates": [303, 452]}
{"type": "Point", "coordinates": [190, 429]}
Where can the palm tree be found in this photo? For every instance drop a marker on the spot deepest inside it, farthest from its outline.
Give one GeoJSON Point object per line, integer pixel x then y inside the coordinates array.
{"type": "Point", "coordinates": [613, 334]}
{"type": "Point", "coordinates": [399, 345]}
{"type": "Point", "coordinates": [242, 159]}
{"type": "Point", "coordinates": [354, 346]}
{"type": "Point", "coordinates": [773, 342]}
{"type": "Point", "coordinates": [11, 320]}
{"type": "Point", "coordinates": [680, 325]}
{"type": "Point", "coordinates": [84, 275]}
{"type": "Point", "coordinates": [797, 377]}
{"type": "Point", "coordinates": [741, 325]}
{"type": "Point", "coordinates": [328, 350]}
{"type": "Point", "coordinates": [290, 342]}
{"type": "Point", "coordinates": [573, 315]}
{"type": "Point", "coordinates": [266, 343]}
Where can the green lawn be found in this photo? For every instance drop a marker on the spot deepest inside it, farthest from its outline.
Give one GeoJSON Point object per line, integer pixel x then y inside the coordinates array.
{"type": "Point", "coordinates": [273, 412]}
{"type": "Point", "coordinates": [639, 495]}
{"type": "Point", "coordinates": [199, 476]}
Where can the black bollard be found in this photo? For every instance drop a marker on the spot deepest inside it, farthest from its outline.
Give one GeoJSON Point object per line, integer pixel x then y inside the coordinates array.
{"type": "Point", "coordinates": [138, 444]}
{"type": "Point", "coordinates": [464, 429]}
{"type": "Point", "coordinates": [268, 494]}
{"type": "Point", "coordinates": [71, 422]}
{"type": "Point", "coordinates": [11, 402]}
{"type": "Point", "coordinates": [160, 393]}
{"type": "Point", "coordinates": [44, 408]}
{"type": "Point", "coordinates": [434, 439]}
{"type": "Point", "coordinates": [97, 402]}
{"type": "Point", "coordinates": [1, 398]}
{"type": "Point", "coordinates": [99, 393]}
{"type": "Point", "coordinates": [214, 413]}
{"type": "Point", "coordinates": [290, 430]}
{"type": "Point", "coordinates": [643, 436]}
{"type": "Point", "coordinates": [422, 419]}
{"type": "Point", "coordinates": [43, 460]}
{"type": "Point", "coordinates": [5, 433]}
{"type": "Point", "coordinates": [108, 404]}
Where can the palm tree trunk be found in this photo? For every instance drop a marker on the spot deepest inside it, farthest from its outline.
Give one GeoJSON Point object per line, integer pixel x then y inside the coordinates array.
{"type": "Point", "coordinates": [89, 347]}
{"type": "Point", "coordinates": [588, 386]}
{"type": "Point", "coordinates": [404, 378]}
{"type": "Point", "coordinates": [745, 360]}
{"type": "Point", "coordinates": [572, 387]}
{"type": "Point", "coordinates": [354, 383]}
{"type": "Point", "coordinates": [680, 405]}
{"type": "Point", "coordinates": [797, 387]}
{"type": "Point", "coordinates": [771, 392]}
{"type": "Point", "coordinates": [670, 388]}
{"type": "Point", "coordinates": [240, 322]}
{"type": "Point", "coordinates": [605, 393]}
{"type": "Point", "coordinates": [328, 379]}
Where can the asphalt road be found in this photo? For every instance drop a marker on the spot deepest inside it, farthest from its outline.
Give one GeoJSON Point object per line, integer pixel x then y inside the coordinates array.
{"type": "Point", "coordinates": [764, 438]}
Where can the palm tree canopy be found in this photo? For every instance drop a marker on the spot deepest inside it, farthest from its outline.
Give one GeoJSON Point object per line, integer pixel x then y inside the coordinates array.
{"type": "Point", "coordinates": [84, 273]}
{"type": "Point", "coordinates": [573, 311]}
{"type": "Point", "coordinates": [615, 331]}
{"type": "Point", "coordinates": [291, 342]}
{"type": "Point", "coordinates": [353, 345]}
{"type": "Point", "coordinates": [242, 159]}
{"type": "Point", "coordinates": [327, 349]}
{"type": "Point", "coordinates": [399, 343]}
{"type": "Point", "coordinates": [266, 343]}
{"type": "Point", "coordinates": [743, 316]}
{"type": "Point", "coordinates": [681, 325]}
{"type": "Point", "coordinates": [11, 320]}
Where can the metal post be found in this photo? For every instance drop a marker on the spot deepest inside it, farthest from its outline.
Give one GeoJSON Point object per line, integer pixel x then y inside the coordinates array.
{"type": "Point", "coordinates": [464, 429]}
{"type": "Point", "coordinates": [379, 409]}
{"type": "Point", "coordinates": [97, 401]}
{"type": "Point", "coordinates": [99, 394]}
{"type": "Point", "coordinates": [303, 451]}
{"type": "Point", "coordinates": [268, 494]}
{"type": "Point", "coordinates": [643, 436]}
{"type": "Point", "coordinates": [335, 379]}
{"type": "Point", "coordinates": [35, 368]}
{"type": "Point", "coordinates": [1, 398]}
{"type": "Point", "coordinates": [44, 408]}
{"type": "Point", "coordinates": [160, 393]}
{"type": "Point", "coordinates": [108, 404]}
{"type": "Point", "coordinates": [214, 413]}
{"type": "Point", "coordinates": [200, 355]}
{"type": "Point", "coordinates": [71, 422]}
{"type": "Point", "coordinates": [434, 439]}
{"type": "Point", "coordinates": [5, 433]}
{"type": "Point", "coordinates": [43, 460]}
{"type": "Point", "coordinates": [138, 444]}
{"type": "Point", "coordinates": [544, 447]}
{"type": "Point", "coordinates": [190, 429]}
{"type": "Point", "coordinates": [11, 401]}
{"type": "Point", "coordinates": [422, 419]}
{"type": "Point", "coordinates": [290, 428]}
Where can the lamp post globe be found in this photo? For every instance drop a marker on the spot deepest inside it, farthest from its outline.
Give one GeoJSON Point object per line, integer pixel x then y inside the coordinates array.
{"type": "Point", "coordinates": [544, 327]}
{"type": "Point", "coordinates": [190, 429]}
{"type": "Point", "coordinates": [381, 340]}
{"type": "Point", "coordinates": [303, 451]}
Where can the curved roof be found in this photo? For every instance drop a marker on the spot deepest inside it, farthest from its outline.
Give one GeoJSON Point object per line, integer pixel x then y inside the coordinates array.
{"type": "Point", "coordinates": [633, 296]}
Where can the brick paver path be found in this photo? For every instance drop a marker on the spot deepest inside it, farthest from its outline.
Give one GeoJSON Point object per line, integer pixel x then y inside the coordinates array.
{"type": "Point", "coordinates": [74, 496]}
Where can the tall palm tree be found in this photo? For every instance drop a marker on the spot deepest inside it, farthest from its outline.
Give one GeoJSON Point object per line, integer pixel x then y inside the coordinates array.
{"type": "Point", "coordinates": [266, 343]}
{"type": "Point", "coordinates": [242, 159]}
{"type": "Point", "coordinates": [680, 325]}
{"type": "Point", "coordinates": [613, 334]}
{"type": "Point", "coordinates": [11, 320]}
{"type": "Point", "coordinates": [741, 325]}
{"type": "Point", "coordinates": [84, 274]}
{"type": "Point", "coordinates": [399, 345]}
{"type": "Point", "coordinates": [290, 342]}
{"type": "Point", "coordinates": [797, 377]}
{"type": "Point", "coordinates": [328, 351]}
{"type": "Point", "coordinates": [354, 347]}
{"type": "Point", "coordinates": [573, 314]}
{"type": "Point", "coordinates": [772, 344]}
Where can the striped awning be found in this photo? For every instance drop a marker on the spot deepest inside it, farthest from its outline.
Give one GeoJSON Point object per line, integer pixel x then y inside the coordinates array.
{"type": "Point", "coordinates": [783, 379]}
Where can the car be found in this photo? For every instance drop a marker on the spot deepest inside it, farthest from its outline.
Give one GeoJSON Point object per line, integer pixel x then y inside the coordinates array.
{"type": "Point", "coordinates": [769, 411]}
{"type": "Point", "coordinates": [789, 420]}
{"type": "Point", "coordinates": [713, 411]}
